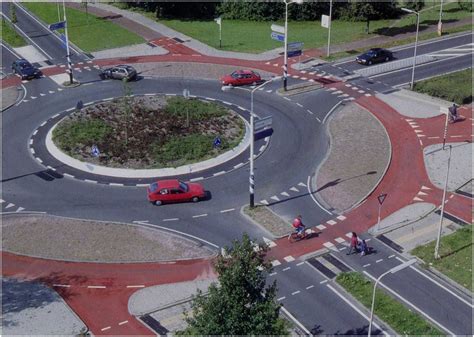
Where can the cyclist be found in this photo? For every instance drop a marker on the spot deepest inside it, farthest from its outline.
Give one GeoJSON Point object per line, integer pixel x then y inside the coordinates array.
{"type": "Point", "coordinates": [298, 225]}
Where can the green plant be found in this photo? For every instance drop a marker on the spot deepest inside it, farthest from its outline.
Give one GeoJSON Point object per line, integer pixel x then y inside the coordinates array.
{"type": "Point", "coordinates": [71, 135]}
{"type": "Point", "coordinates": [13, 13]}
{"type": "Point", "coordinates": [10, 36]}
{"type": "Point", "coordinates": [197, 109]}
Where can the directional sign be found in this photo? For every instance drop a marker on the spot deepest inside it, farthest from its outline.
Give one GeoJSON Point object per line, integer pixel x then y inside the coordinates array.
{"type": "Point", "coordinates": [325, 21]}
{"type": "Point", "coordinates": [382, 198]}
{"type": "Point", "coordinates": [95, 151]}
{"type": "Point", "coordinates": [295, 45]}
{"type": "Point", "coordinates": [293, 53]}
{"type": "Point", "coordinates": [79, 105]}
{"type": "Point", "coordinates": [263, 123]}
{"type": "Point", "coordinates": [57, 25]}
{"type": "Point", "coordinates": [217, 142]}
{"type": "Point", "coordinates": [278, 37]}
{"type": "Point", "coordinates": [263, 134]}
{"type": "Point", "coordinates": [278, 28]}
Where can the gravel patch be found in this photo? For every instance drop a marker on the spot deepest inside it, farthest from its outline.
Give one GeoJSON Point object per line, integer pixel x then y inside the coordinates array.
{"type": "Point", "coordinates": [196, 70]}
{"type": "Point", "coordinates": [358, 156]}
{"type": "Point", "coordinates": [90, 241]}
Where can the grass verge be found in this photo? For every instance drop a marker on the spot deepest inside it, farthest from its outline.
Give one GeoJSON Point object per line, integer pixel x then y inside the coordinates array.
{"type": "Point", "coordinates": [10, 36]}
{"type": "Point", "coordinates": [88, 32]}
{"type": "Point", "coordinates": [268, 219]}
{"type": "Point", "coordinates": [455, 87]}
{"type": "Point", "coordinates": [456, 256]}
{"type": "Point", "coordinates": [395, 314]}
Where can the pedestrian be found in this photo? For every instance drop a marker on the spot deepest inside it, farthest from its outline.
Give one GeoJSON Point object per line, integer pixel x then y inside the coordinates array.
{"type": "Point", "coordinates": [364, 249]}
{"type": "Point", "coordinates": [354, 243]}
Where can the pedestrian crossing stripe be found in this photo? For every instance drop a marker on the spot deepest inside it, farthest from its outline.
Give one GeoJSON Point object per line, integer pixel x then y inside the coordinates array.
{"type": "Point", "coordinates": [289, 258]}
{"type": "Point", "coordinates": [328, 244]}
{"type": "Point", "coordinates": [339, 240]}
{"type": "Point", "coordinates": [275, 263]}
{"type": "Point", "coordinates": [349, 235]}
{"type": "Point", "coordinates": [331, 222]}
{"type": "Point", "coordinates": [341, 217]}
{"type": "Point", "coordinates": [269, 242]}
{"type": "Point", "coordinates": [321, 227]}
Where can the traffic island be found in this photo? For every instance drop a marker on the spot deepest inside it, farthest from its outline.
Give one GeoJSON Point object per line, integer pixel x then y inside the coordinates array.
{"type": "Point", "coordinates": [268, 220]}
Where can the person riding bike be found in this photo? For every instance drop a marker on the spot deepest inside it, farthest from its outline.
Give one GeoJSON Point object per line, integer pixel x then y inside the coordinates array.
{"type": "Point", "coordinates": [298, 225]}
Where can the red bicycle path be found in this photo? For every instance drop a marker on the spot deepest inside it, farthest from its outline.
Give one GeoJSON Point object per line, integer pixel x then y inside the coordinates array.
{"type": "Point", "coordinates": [406, 177]}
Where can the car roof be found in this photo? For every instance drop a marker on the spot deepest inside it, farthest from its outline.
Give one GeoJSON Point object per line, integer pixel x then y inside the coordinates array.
{"type": "Point", "coordinates": [168, 183]}
{"type": "Point", "coordinates": [244, 71]}
{"type": "Point", "coordinates": [20, 61]}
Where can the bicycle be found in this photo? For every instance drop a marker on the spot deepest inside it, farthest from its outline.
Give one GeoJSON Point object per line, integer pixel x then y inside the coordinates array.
{"type": "Point", "coordinates": [294, 236]}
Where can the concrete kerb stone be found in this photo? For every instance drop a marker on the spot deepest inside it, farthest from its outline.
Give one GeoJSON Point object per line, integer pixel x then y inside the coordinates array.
{"type": "Point", "coordinates": [314, 254]}
{"type": "Point", "coordinates": [213, 253]}
{"type": "Point", "coordinates": [18, 98]}
{"type": "Point", "coordinates": [299, 88]}
{"type": "Point", "coordinates": [146, 173]}
{"type": "Point", "coordinates": [248, 218]}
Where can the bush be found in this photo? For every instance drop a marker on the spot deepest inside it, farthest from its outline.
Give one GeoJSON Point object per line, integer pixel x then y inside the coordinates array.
{"type": "Point", "coordinates": [465, 5]}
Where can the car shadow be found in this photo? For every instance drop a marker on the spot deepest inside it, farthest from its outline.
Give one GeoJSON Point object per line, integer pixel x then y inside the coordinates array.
{"type": "Point", "coordinates": [207, 196]}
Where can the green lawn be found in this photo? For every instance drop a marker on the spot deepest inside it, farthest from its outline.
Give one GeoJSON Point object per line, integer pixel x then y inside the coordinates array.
{"type": "Point", "coordinates": [456, 256]}
{"type": "Point", "coordinates": [401, 319]}
{"type": "Point", "coordinates": [455, 87]}
{"type": "Point", "coordinates": [254, 37]}
{"type": "Point", "coordinates": [10, 36]}
{"type": "Point", "coordinates": [91, 34]}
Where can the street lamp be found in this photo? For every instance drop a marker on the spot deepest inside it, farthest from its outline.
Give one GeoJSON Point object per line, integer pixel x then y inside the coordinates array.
{"type": "Point", "coordinates": [440, 22]}
{"type": "Point", "coordinates": [443, 201]}
{"type": "Point", "coordinates": [285, 65]}
{"type": "Point", "coordinates": [252, 137]}
{"type": "Point", "coordinates": [69, 63]}
{"type": "Point", "coordinates": [391, 271]}
{"type": "Point", "coordinates": [416, 43]}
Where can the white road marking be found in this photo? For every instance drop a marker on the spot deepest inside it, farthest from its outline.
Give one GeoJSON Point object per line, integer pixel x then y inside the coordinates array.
{"type": "Point", "coordinates": [275, 263]}
{"type": "Point", "coordinates": [19, 209]}
{"type": "Point", "coordinates": [294, 189]}
{"type": "Point", "coordinates": [289, 258]}
{"type": "Point", "coordinates": [410, 304]}
{"type": "Point", "coordinates": [366, 265]}
{"type": "Point", "coordinates": [295, 292]}
{"type": "Point", "coordinates": [39, 159]}
{"type": "Point", "coordinates": [299, 264]}
{"type": "Point", "coordinates": [281, 298]}
{"type": "Point", "coordinates": [285, 269]}
{"type": "Point", "coordinates": [309, 287]}
{"type": "Point", "coordinates": [227, 210]}
{"type": "Point", "coordinates": [269, 242]}
{"type": "Point", "coordinates": [328, 244]}
{"type": "Point", "coordinates": [96, 287]}
{"type": "Point", "coordinates": [91, 181]}
{"type": "Point", "coordinates": [323, 281]}
{"type": "Point", "coordinates": [287, 99]}
{"type": "Point", "coordinates": [116, 184]}
{"type": "Point", "coordinates": [339, 240]}
{"type": "Point", "coordinates": [390, 255]}
{"type": "Point", "coordinates": [123, 322]}
{"type": "Point", "coordinates": [285, 194]}
{"type": "Point", "coordinates": [264, 202]}
{"type": "Point", "coordinates": [196, 179]}
{"type": "Point", "coordinates": [331, 222]}
{"type": "Point", "coordinates": [274, 197]}
{"type": "Point", "coordinates": [171, 219]}
{"type": "Point", "coordinates": [272, 274]}
{"type": "Point", "coordinates": [379, 260]}
{"type": "Point", "coordinates": [321, 227]}
{"type": "Point", "coordinates": [239, 165]}
{"type": "Point", "coordinates": [308, 184]}
{"type": "Point", "coordinates": [300, 105]}
{"type": "Point", "coordinates": [310, 111]}
{"type": "Point", "coordinates": [106, 328]}
{"type": "Point", "coordinates": [62, 285]}
{"type": "Point", "coordinates": [218, 173]}
{"type": "Point", "coordinates": [341, 217]}
{"type": "Point", "coordinates": [137, 286]}
{"type": "Point", "coordinates": [356, 309]}
{"type": "Point", "coordinates": [200, 215]}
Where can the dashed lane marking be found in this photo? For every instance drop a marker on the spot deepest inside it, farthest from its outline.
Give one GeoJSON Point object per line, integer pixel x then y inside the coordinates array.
{"type": "Point", "coordinates": [299, 264]}
{"type": "Point", "coordinates": [171, 219]}
{"type": "Point", "coordinates": [218, 173]}
{"type": "Point", "coordinates": [287, 99]}
{"type": "Point", "coordinates": [272, 274]}
{"type": "Point", "coordinates": [238, 165]}
{"type": "Point", "coordinates": [227, 210]}
{"type": "Point", "coordinates": [196, 179]}
{"type": "Point", "coordinates": [309, 287]}
{"type": "Point", "coordinates": [310, 112]}
{"type": "Point", "coordinates": [116, 184]}
{"type": "Point", "coordinates": [366, 265]}
{"type": "Point", "coordinates": [287, 268]}
{"type": "Point", "coordinates": [62, 285]}
{"type": "Point", "coordinates": [299, 104]}
{"type": "Point", "coordinates": [91, 181]}
{"type": "Point", "coordinates": [123, 322]}
{"type": "Point", "coordinates": [137, 286]}
{"type": "Point", "coordinates": [106, 328]}
{"type": "Point", "coordinates": [96, 287]}
{"type": "Point", "coordinates": [391, 256]}
{"type": "Point", "coordinates": [281, 298]}
{"type": "Point", "coordinates": [200, 215]}
{"type": "Point", "coordinates": [295, 292]}
{"type": "Point", "coordinates": [379, 260]}
{"type": "Point", "coordinates": [323, 281]}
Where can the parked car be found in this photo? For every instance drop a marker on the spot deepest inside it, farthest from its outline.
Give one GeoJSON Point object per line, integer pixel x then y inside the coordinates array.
{"type": "Point", "coordinates": [119, 72]}
{"type": "Point", "coordinates": [374, 55]}
{"type": "Point", "coordinates": [25, 70]}
{"type": "Point", "coordinates": [241, 77]}
{"type": "Point", "coordinates": [169, 191]}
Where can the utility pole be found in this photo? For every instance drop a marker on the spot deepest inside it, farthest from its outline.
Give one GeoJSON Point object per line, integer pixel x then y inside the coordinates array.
{"type": "Point", "coordinates": [69, 63]}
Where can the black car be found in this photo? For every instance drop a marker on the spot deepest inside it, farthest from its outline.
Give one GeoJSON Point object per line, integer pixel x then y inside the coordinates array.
{"type": "Point", "coordinates": [25, 70]}
{"type": "Point", "coordinates": [374, 55]}
{"type": "Point", "coordinates": [119, 72]}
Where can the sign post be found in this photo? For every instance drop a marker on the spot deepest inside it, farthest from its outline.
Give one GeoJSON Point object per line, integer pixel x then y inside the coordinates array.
{"type": "Point", "coordinates": [381, 199]}
{"type": "Point", "coordinates": [186, 96]}
{"type": "Point", "coordinates": [219, 22]}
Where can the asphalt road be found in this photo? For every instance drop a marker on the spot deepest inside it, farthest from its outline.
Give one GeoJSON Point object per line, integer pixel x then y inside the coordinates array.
{"type": "Point", "coordinates": [8, 56]}
{"type": "Point", "coordinates": [40, 36]}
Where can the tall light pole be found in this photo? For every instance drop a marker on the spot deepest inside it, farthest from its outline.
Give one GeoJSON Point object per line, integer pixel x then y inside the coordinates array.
{"type": "Point", "coordinates": [443, 201]}
{"type": "Point", "coordinates": [330, 24]}
{"type": "Point", "coordinates": [416, 43]}
{"type": "Point", "coordinates": [69, 63]}
{"type": "Point", "coordinates": [391, 271]}
{"type": "Point", "coordinates": [285, 62]}
{"type": "Point", "coordinates": [440, 22]}
{"type": "Point", "coordinates": [252, 138]}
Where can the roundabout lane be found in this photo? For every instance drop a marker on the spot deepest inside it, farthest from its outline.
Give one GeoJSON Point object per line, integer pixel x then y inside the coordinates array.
{"type": "Point", "coordinates": [35, 187]}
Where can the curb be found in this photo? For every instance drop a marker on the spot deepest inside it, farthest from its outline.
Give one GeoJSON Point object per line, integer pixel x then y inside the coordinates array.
{"type": "Point", "coordinates": [18, 99]}
{"type": "Point", "coordinates": [251, 220]}
{"type": "Point", "coordinates": [209, 257]}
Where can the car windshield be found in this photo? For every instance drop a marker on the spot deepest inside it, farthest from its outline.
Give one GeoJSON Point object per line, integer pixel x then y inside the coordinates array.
{"type": "Point", "coordinates": [235, 74]}
{"type": "Point", "coordinates": [371, 52]}
{"type": "Point", "coordinates": [25, 65]}
{"type": "Point", "coordinates": [153, 187]}
{"type": "Point", "coordinates": [183, 186]}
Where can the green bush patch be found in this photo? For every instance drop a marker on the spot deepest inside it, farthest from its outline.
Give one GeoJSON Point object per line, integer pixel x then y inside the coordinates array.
{"type": "Point", "coordinates": [149, 132]}
{"type": "Point", "coordinates": [456, 256]}
{"type": "Point", "coordinates": [395, 314]}
{"type": "Point", "coordinates": [10, 36]}
{"type": "Point", "coordinates": [455, 87]}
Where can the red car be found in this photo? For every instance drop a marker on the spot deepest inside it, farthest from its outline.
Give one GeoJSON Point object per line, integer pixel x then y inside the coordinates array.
{"type": "Point", "coordinates": [168, 191]}
{"type": "Point", "coordinates": [241, 77]}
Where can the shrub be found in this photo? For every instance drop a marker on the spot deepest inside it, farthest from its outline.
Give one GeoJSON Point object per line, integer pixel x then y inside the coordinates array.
{"type": "Point", "coordinates": [197, 109]}
{"type": "Point", "coordinates": [72, 135]}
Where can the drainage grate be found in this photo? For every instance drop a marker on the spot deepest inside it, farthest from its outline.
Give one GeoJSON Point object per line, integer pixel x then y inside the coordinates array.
{"type": "Point", "coordinates": [452, 218]}
{"type": "Point", "coordinates": [322, 268]}
{"type": "Point", "coordinates": [341, 266]}
{"type": "Point", "coordinates": [390, 243]}
{"type": "Point", "coordinates": [178, 40]}
{"type": "Point", "coordinates": [154, 325]}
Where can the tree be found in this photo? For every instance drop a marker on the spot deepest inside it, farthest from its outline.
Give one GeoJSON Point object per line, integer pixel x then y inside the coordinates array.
{"type": "Point", "coordinates": [367, 11]}
{"type": "Point", "coordinates": [242, 304]}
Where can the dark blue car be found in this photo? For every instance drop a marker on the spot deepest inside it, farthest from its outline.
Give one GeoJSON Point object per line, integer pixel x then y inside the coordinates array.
{"type": "Point", "coordinates": [25, 70]}
{"type": "Point", "coordinates": [374, 55]}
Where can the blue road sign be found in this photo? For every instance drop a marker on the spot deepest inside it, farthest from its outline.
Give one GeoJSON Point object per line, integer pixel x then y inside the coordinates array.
{"type": "Point", "coordinates": [57, 25]}
{"type": "Point", "coordinates": [217, 142]}
{"type": "Point", "coordinates": [295, 45]}
{"type": "Point", "coordinates": [278, 36]}
{"type": "Point", "coordinates": [293, 53]}
{"type": "Point", "coordinates": [95, 151]}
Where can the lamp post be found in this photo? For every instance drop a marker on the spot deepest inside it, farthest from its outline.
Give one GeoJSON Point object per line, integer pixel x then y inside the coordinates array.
{"type": "Point", "coordinates": [443, 201]}
{"type": "Point", "coordinates": [285, 62]}
{"type": "Point", "coordinates": [69, 64]}
{"type": "Point", "coordinates": [391, 271]}
{"type": "Point", "coordinates": [252, 137]}
{"type": "Point", "coordinates": [330, 24]}
{"type": "Point", "coordinates": [416, 43]}
{"type": "Point", "coordinates": [440, 22]}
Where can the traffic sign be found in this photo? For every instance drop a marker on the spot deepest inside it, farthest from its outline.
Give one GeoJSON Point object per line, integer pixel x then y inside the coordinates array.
{"type": "Point", "coordinates": [263, 134]}
{"type": "Point", "coordinates": [79, 105]}
{"type": "Point", "coordinates": [217, 142]}
{"type": "Point", "coordinates": [325, 21]}
{"type": "Point", "coordinates": [278, 28]}
{"type": "Point", "coordinates": [278, 37]}
{"type": "Point", "coordinates": [381, 198]}
{"type": "Point", "coordinates": [293, 53]}
{"type": "Point", "coordinates": [95, 151]}
{"type": "Point", "coordinates": [57, 25]}
{"type": "Point", "coordinates": [263, 123]}
{"type": "Point", "coordinates": [295, 45]}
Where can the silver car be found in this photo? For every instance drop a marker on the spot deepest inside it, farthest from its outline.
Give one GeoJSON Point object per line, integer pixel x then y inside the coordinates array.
{"type": "Point", "coordinates": [119, 72]}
